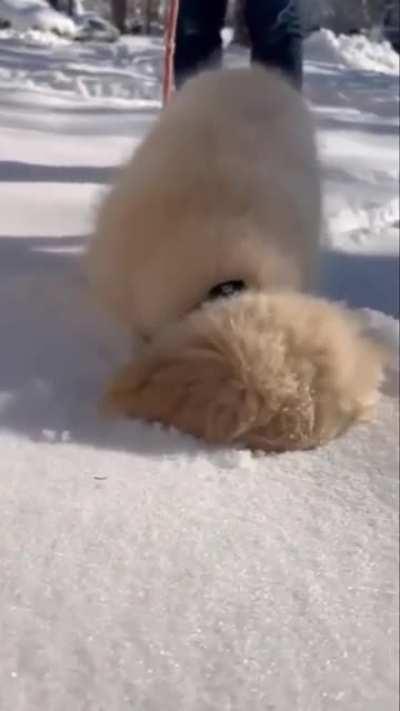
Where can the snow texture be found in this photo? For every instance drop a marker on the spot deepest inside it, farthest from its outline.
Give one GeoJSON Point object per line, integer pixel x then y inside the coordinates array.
{"type": "Point", "coordinates": [139, 568]}
{"type": "Point", "coordinates": [36, 14]}
{"type": "Point", "coordinates": [358, 51]}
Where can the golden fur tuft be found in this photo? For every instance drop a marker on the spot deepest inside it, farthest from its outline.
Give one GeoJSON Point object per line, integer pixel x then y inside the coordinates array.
{"type": "Point", "coordinates": [272, 372]}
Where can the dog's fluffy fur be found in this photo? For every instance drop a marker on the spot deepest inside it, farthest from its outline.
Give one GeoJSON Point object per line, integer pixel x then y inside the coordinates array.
{"type": "Point", "coordinates": [225, 187]}
{"type": "Point", "coordinates": [272, 371]}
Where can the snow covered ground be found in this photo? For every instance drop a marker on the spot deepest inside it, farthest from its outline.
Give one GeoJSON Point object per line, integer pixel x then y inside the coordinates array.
{"type": "Point", "coordinates": [26, 14]}
{"type": "Point", "coordinates": [140, 569]}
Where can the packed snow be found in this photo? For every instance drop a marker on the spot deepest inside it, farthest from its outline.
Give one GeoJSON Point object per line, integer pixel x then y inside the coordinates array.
{"type": "Point", "coordinates": [36, 14]}
{"type": "Point", "coordinates": [141, 569]}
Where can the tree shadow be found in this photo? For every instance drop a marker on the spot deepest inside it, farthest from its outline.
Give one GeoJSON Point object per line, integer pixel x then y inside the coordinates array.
{"type": "Point", "coordinates": [336, 123]}
{"type": "Point", "coordinates": [374, 97]}
{"type": "Point", "coordinates": [123, 121]}
{"type": "Point", "coordinates": [362, 280]}
{"type": "Point", "coordinates": [19, 171]}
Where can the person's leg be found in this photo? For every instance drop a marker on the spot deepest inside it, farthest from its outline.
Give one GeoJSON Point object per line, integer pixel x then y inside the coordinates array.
{"type": "Point", "coordinates": [276, 35]}
{"type": "Point", "coordinates": [198, 36]}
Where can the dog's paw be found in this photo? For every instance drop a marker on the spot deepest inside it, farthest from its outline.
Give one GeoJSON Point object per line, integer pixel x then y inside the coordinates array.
{"type": "Point", "coordinates": [268, 371]}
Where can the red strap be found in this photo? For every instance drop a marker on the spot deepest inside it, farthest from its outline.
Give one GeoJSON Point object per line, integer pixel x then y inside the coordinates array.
{"type": "Point", "coordinates": [170, 33]}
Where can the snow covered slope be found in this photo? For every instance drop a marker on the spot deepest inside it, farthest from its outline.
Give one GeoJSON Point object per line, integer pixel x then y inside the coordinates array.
{"type": "Point", "coordinates": [139, 569]}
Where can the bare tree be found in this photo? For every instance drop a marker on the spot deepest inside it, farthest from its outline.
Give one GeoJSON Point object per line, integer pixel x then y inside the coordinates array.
{"type": "Point", "coordinates": [344, 15]}
{"type": "Point", "coordinates": [118, 13]}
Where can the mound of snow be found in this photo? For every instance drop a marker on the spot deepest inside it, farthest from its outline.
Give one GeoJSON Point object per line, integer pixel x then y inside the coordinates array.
{"type": "Point", "coordinates": [91, 26]}
{"type": "Point", "coordinates": [36, 14]}
{"type": "Point", "coordinates": [356, 51]}
{"type": "Point", "coordinates": [34, 39]}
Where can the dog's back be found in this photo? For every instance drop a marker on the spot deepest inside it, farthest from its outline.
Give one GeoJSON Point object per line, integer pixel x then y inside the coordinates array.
{"type": "Point", "coordinates": [224, 187]}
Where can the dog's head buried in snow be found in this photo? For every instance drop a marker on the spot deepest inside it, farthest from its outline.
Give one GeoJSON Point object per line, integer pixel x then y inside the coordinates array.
{"type": "Point", "coordinates": [206, 247]}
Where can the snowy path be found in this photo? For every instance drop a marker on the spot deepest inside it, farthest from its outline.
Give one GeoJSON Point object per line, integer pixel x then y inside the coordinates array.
{"type": "Point", "coordinates": [139, 569]}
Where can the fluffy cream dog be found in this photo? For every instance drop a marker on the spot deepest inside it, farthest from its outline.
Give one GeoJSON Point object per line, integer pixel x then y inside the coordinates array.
{"type": "Point", "coordinates": [225, 192]}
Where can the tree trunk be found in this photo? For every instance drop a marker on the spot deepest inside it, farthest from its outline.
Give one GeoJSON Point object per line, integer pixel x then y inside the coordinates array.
{"type": "Point", "coordinates": [147, 16]}
{"type": "Point", "coordinates": [118, 13]}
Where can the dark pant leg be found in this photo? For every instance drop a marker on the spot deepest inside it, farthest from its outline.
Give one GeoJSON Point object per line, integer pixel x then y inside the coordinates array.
{"type": "Point", "coordinates": [198, 36]}
{"type": "Point", "coordinates": [276, 35]}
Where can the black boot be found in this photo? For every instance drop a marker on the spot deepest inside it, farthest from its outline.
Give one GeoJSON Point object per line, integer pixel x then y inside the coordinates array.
{"type": "Point", "coordinates": [198, 36]}
{"type": "Point", "coordinates": [276, 36]}
{"type": "Point", "coordinates": [274, 29]}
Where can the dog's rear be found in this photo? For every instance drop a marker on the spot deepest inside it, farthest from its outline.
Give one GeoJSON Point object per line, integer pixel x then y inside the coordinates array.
{"type": "Point", "coordinates": [224, 187]}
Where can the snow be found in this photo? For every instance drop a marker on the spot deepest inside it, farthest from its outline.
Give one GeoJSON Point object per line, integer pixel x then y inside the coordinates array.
{"type": "Point", "coordinates": [36, 14]}
{"type": "Point", "coordinates": [140, 569]}
{"type": "Point", "coordinates": [358, 51]}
